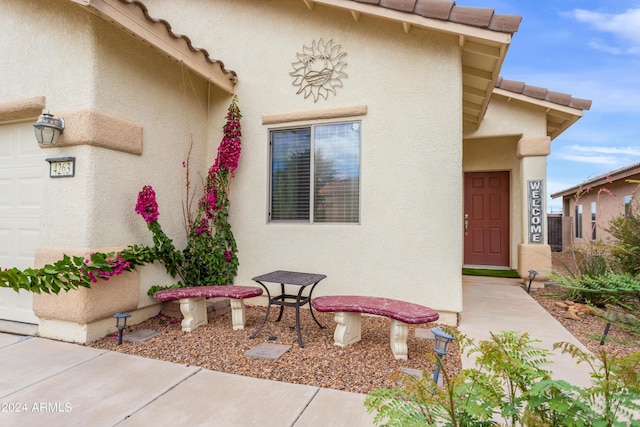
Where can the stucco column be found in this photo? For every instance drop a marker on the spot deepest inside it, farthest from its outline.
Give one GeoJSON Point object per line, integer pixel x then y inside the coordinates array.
{"type": "Point", "coordinates": [534, 252]}
{"type": "Point", "coordinates": [84, 214]}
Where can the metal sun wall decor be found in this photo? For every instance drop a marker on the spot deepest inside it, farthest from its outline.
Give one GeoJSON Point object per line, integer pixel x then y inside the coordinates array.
{"type": "Point", "coordinates": [319, 69]}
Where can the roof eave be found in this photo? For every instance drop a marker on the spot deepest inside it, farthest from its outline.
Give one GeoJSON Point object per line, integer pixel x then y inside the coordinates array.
{"type": "Point", "coordinates": [409, 19]}
{"type": "Point", "coordinates": [479, 45]}
{"type": "Point", "coordinates": [559, 117]}
{"type": "Point", "coordinates": [129, 15]}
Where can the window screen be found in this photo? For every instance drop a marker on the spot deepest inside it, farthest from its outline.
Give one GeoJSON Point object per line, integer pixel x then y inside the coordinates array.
{"type": "Point", "coordinates": [315, 173]}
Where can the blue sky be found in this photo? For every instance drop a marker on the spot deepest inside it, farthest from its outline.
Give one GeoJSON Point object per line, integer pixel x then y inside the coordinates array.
{"type": "Point", "coordinates": [590, 49]}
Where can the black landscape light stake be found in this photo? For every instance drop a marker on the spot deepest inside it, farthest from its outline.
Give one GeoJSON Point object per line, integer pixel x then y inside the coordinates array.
{"type": "Point", "coordinates": [441, 348]}
{"type": "Point", "coordinates": [532, 276]}
{"type": "Point", "coordinates": [610, 316]}
{"type": "Point", "coordinates": [606, 331]}
{"type": "Point", "coordinates": [121, 324]}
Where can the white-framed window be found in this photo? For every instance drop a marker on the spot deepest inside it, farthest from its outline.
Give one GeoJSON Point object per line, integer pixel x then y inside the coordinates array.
{"type": "Point", "coordinates": [578, 218]}
{"type": "Point", "coordinates": [315, 173]}
{"type": "Point", "coordinates": [593, 220]}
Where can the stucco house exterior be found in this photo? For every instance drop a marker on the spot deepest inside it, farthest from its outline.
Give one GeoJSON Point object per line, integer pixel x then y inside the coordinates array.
{"type": "Point", "coordinates": [589, 207]}
{"type": "Point", "coordinates": [419, 158]}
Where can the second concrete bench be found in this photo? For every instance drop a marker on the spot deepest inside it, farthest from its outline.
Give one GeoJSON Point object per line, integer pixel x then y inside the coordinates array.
{"type": "Point", "coordinates": [348, 309]}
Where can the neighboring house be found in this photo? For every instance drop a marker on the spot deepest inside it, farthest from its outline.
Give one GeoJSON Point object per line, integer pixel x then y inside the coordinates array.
{"type": "Point", "coordinates": [588, 208]}
{"type": "Point", "coordinates": [380, 145]}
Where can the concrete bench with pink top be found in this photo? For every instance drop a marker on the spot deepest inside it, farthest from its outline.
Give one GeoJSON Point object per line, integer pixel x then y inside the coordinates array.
{"type": "Point", "coordinates": [194, 309]}
{"type": "Point", "coordinates": [348, 309]}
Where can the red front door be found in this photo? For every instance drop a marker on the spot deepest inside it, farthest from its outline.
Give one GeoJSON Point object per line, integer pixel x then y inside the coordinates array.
{"type": "Point", "coordinates": [486, 218]}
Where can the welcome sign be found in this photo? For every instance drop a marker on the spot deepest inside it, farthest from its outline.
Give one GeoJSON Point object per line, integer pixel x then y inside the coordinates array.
{"type": "Point", "coordinates": [536, 223]}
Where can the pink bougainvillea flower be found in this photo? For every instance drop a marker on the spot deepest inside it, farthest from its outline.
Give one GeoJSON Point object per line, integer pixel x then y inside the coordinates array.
{"type": "Point", "coordinates": [147, 207]}
{"type": "Point", "coordinates": [230, 148]}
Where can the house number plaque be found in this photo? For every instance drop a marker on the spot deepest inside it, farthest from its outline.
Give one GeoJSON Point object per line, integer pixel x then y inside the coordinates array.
{"type": "Point", "coordinates": [62, 167]}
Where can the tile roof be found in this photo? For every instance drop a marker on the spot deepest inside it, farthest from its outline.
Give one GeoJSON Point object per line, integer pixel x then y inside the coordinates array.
{"type": "Point", "coordinates": [449, 11]}
{"type": "Point", "coordinates": [543, 94]}
{"type": "Point", "coordinates": [609, 177]}
{"type": "Point", "coordinates": [133, 16]}
{"type": "Point", "coordinates": [562, 109]}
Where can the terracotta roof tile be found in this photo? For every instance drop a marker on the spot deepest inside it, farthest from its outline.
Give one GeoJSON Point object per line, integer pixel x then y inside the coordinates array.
{"type": "Point", "coordinates": [436, 9]}
{"type": "Point", "coordinates": [512, 86]}
{"type": "Point", "coordinates": [448, 11]}
{"type": "Point", "coordinates": [543, 94]}
{"type": "Point", "coordinates": [505, 23]}
{"type": "Point", "coordinates": [581, 104]}
{"type": "Point", "coordinates": [534, 91]}
{"type": "Point", "coordinates": [476, 16]}
{"type": "Point", "coordinates": [558, 98]}
{"type": "Point", "coordinates": [402, 5]}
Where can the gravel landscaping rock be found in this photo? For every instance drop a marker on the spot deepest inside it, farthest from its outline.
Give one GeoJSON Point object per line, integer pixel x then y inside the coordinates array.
{"type": "Point", "coordinates": [359, 368]}
{"type": "Point", "coordinates": [587, 328]}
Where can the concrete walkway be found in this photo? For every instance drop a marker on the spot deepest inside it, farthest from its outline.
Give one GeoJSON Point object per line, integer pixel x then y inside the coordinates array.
{"type": "Point", "coordinates": [494, 305]}
{"type": "Point", "coordinates": [46, 382]}
{"type": "Point", "coordinates": [50, 383]}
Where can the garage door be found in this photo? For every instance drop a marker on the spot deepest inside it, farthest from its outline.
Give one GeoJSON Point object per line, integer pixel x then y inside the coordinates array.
{"type": "Point", "coordinates": [22, 166]}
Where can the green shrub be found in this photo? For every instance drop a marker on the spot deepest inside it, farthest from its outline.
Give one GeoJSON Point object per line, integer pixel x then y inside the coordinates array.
{"type": "Point", "coordinates": [606, 289]}
{"type": "Point", "coordinates": [613, 399]}
{"type": "Point", "coordinates": [626, 230]}
{"type": "Point", "coordinates": [592, 259]}
{"type": "Point", "coordinates": [509, 386]}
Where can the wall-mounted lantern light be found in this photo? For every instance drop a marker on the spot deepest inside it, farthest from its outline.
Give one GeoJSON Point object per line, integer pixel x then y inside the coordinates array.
{"type": "Point", "coordinates": [121, 323]}
{"type": "Point", "coordinates": [48, 129]}
{"type": "Point", "coordinates": [441, 348]}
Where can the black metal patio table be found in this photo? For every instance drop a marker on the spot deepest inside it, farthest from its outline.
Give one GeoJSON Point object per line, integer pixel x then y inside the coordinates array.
{"type": "Point", "coordinates": [302, 280]}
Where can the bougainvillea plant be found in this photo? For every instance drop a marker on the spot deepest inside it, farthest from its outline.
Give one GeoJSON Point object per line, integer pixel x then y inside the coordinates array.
{"type": "Point", "coordinates": [73, 272]}
{"type": "Point", "coordinates": [163, 249]}
{"type": "Point", "coordinates": [210, 257]}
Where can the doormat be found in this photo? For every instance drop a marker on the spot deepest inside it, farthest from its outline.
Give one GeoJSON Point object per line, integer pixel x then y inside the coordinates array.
{"type": "Point", "coordinates": [140, 335]}
{"type": "Point", "coordinates": [488, 272]}
{"type": "Point", "coordinates": [268, 351]}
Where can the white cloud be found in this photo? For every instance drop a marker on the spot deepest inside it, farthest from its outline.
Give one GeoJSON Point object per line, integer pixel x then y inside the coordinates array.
{"type": "Point", "coordinates": [600, 160]}
{"type": "Point", "coordinates": [627, 151]}
{"type": "Point", "coordinates": [598, 44]}
{"type": "Point", "coordinates": [611, 157]}
{"type": "Point", "coordinates": [625, 25]}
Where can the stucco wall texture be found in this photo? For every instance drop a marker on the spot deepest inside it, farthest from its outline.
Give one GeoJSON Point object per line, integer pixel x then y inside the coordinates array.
{"type": "Point", "coordinates": [407, 86]}
{"type": "Point", "coordinates": [407, 244]}
{"type": "Point", "coordinates": [84, 65]}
